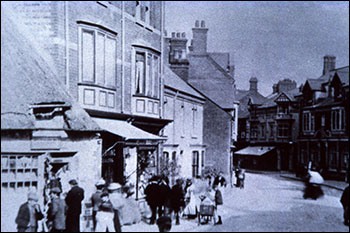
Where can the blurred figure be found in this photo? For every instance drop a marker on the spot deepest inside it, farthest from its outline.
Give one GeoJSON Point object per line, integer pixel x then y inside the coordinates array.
{"type": "Point", "coordinates": [164, 190]}
{"type": "Point", "coordinates": [96, 199]}
{"type": "Point", "coordinates": [313, 185]}
{"type": "Point", "coordinates": [164, 224]}
{"type": "Point", "coordinates": [57, 211]}
{"type": "Point", "coordinates": [345, 202]}
{"type": "Point", "coordinates": [29, 214]}
{"type": "Point", "coordinates": [105, 215]}
{"type": "Point", "coordinates": [177, 199]}
{"type": "Point", "coordinates": [73, 200]}
{"type": "Point", "coordinates": [118, 203]}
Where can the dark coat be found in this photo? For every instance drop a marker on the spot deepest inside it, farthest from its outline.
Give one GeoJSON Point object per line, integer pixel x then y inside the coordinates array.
{"type": "Point", "coordinates": [218, 198]}
{"type": "Point", "coordinates": [345, 198]}
{"type": "Point", "coordinates": [23, 216]}
{"type": "Point", "coordinates": [73, 200]}
{"type": "Point", "coordinates": [177, 197]}
{"type": "Point", "coordinates": [57, 213]}
{"type": "Point", "coordinates": [152, 194]}
{"type": "Point", "coordinates": [220, 180]}
{"type": "Point", "coordinates": [164, 191]}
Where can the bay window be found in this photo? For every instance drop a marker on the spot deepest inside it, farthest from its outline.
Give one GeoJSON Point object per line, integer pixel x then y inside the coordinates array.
{"type": "Point", "coordinates": [98, 57]}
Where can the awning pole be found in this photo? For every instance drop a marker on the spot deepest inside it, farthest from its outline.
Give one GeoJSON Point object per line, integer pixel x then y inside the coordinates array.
{"type": "Point", "coordinates": [137, 174]}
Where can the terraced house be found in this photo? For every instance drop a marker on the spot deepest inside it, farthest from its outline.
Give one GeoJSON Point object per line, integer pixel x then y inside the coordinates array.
{"type": "Point", "coordinates": [324, 121]}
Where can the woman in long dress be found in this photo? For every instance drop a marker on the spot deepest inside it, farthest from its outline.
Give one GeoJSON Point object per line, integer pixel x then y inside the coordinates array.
{"type": "Point", "coordinates": [191, 208]}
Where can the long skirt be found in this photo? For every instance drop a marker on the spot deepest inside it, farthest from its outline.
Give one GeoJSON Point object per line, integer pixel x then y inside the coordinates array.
{"type": "Point", "coordinates": [313, 191]}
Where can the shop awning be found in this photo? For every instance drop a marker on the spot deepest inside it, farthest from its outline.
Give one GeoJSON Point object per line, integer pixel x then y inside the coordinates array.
{"type": "Point", "coordinates": [125, 130]}
{"type": "Point", "coordinates": [255, 150]}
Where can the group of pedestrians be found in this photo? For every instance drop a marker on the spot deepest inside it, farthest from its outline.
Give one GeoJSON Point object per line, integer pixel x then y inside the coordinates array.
{"type": "Point", "coordinates": [62, 215]}
{"type": "Point", "coordinates": [182, 200]}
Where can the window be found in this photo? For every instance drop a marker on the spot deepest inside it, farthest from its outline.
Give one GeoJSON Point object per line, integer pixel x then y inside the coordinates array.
{"type": "Point", "coordinates": [182, 112]}
{"type": "Point", "coordinates": [272, 135]}
{"type": "Point", "coordinates": [143, 11]}
{"type": "Point", "coordinates": [98, 57]}
{"type": "Point", "coordinates": [19, 171]}
{"type": "Point", "coordinates": [308, 121]}
{"type": "Point", "coordinates": [165, 159]}
{"type": "Point", "coordinates": [338, 119]}
{"type": "Point", "coordinates": [262, 131]}
{"type": "Point", "coordinates": [333, 159]}
{"type": "Point", "coordinates": [147, 74]}
{"type": "Point", "coordinates": [345, 161]}
{"type": "Point", "coordinates": [203, 154]}
{"type": "Point", "coordinates": [194, 121]}
{"type": "Point", "coordinates": [323, 120]}
{"type": "Point", "coordinates": [254, 132]}
{"type": "Point", "coordinates": [195, 163]}
{"type": "Point", "coordinates": [283, 130]}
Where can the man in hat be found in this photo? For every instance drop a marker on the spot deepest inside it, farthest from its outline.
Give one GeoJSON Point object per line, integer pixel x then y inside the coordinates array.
{"type": "Point", "coordinates": [118, 202]}
{"type": "Point", "coordinates": [96, 199]}
{"type": "Point", "coordinates": [164, 224]}
{"type": "Point", "coordinates": [29, 214]}
{"type": "Point", "coordinates": [73, 200]}
{"type": "Point", "coordinates": [57, 211]}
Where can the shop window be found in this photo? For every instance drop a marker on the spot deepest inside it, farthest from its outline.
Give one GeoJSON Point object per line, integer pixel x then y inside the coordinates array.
{"type": "Point", "coordinates": [18, 171]}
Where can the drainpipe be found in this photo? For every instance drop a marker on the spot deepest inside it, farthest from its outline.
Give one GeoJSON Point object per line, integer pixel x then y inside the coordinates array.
{"type": "Point", "coordinates": [123, 57]}
{"type": "Point", "coordinates": [67, 43]}
{"type": "Point", "coordinates": [174, 114]}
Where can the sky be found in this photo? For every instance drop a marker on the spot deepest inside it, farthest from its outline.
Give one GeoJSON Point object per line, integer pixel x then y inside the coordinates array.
{"type": "Point", "coordinates": [268, 40]}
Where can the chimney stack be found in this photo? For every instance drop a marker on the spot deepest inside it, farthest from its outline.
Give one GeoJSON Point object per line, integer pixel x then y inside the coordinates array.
{"type": "Point", "coordinates": [178, 61]}
{"type": "Point", "coordinates": [328, 64]}
{"type": "Point", "coordinates": [199, 32]}
{"type": "Point", "coordinates": [253, 84]}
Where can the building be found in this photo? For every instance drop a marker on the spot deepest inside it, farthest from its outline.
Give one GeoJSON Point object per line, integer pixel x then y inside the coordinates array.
{"type": "Point", "coordinates": [209, 74]}
{"type": "Point", "coordinates": [45, 133]}
{"type": "Point", "coordinates": [109, 55]}
{"type": "Point", "coordinates": [324, 135]}
{"type": "Point", "coordinates": [184, 150]}
{"type": "Point", "coordinates": [244, 96]}
{"type": "Point", "coordinates": [272, 129]}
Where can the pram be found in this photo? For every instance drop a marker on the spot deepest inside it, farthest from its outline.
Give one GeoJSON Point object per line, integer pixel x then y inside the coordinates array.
{"type": "Point", "coordinates": [206, 211]}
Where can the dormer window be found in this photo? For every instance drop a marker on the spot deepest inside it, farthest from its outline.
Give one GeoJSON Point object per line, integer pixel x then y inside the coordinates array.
{"type": "Point", "coordinates": [50, 115]}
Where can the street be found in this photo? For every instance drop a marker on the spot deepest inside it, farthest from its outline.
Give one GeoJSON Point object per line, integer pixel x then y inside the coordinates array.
{"type": "Point", "coordinates": [269, 203]}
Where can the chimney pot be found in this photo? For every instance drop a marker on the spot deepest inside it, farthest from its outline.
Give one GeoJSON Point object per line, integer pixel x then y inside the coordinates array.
{"type": "Point", "coordinates": [178, 35]}
{"type": "Point", "coordinates": [197, 24]}
{"type": "Point", "coordinates": [183, 35]}
{"type": "Point", "coordinates": [165, 33]}
{"type": "Point", "coordinates": [203, 24]}
{"type": "Point", "coordinates": [173, 34]}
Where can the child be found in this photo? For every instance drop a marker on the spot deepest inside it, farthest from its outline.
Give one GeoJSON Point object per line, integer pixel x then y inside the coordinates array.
{"type": "Point", "coordinates": [105, 215]}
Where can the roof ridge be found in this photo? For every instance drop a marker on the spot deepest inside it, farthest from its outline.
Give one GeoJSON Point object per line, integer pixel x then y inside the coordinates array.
{"type": "Point", "coordinates": [220, 68]}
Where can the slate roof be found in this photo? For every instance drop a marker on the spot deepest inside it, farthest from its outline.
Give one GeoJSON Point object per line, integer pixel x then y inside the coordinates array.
{"type": "Point", "coordinates": [173, 81]}
{"type": "Point", "coordinates": [316, 84]}
{"type": "Point", "coordinates": [243, 97]}
{"type": "Point", "coordinates": [270, 101]}
{"type": "Point", "coordinates": [212, 80]}
{"type": "Point", "coordinates": [26, 79]}
{"type": "Point", "coordinates": [222, 59]}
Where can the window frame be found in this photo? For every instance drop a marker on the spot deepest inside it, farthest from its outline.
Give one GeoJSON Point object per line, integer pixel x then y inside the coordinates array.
{"type": "Point", "coordinates": [338, 113]}
{"type": "Point", "coordinates": [97, 30]}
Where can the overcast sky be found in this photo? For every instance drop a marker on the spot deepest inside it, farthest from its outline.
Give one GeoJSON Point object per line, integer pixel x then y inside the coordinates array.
{"type": "Point", "coordinates": [269, 40]}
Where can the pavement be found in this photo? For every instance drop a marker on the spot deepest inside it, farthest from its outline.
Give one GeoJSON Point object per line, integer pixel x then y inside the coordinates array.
{"type": "Point", "coordinates": [269, 202]}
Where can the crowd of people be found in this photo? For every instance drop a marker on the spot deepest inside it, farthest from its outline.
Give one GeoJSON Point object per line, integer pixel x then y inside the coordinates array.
{"type": "Point", "coordinates": [111, 207]}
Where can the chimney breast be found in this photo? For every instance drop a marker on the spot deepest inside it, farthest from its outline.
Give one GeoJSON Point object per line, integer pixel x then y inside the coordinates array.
{"type": "Point", "coordinates": [253, 84]}
{"type": "Point", "coordinates": [199, 45]}
{"type": "Point", "coordinates": [197, 24]}
{"type": "Point", "coordinates": [328, 63]}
